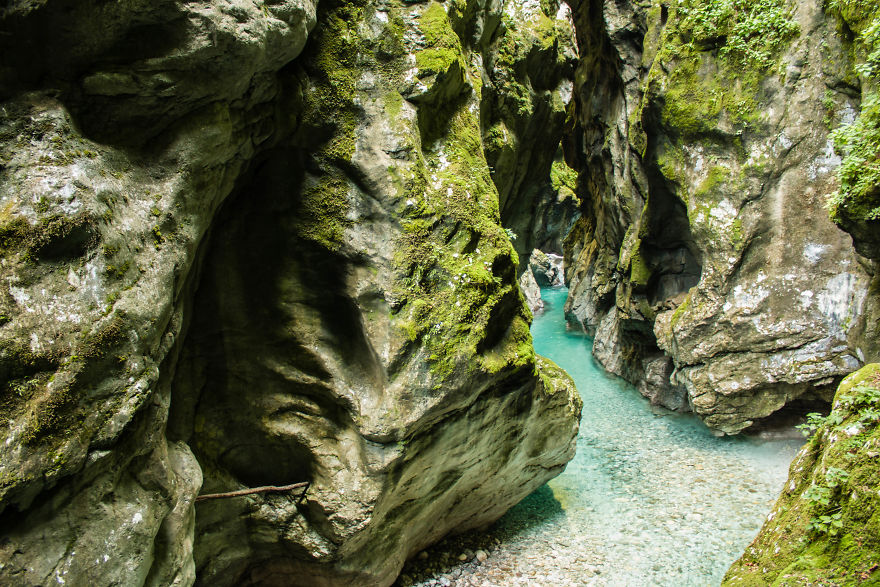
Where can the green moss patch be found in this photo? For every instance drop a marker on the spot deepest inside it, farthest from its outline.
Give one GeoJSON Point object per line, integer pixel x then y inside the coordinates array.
{"type": "Point", "coordinates": [334, 61]}
{"type": "Point", "coordinates": [443, 46]}
{"type": "Point", "coordinates": [51, 237]}
{"type": "Point", "coordinates": [710, 59]}
{"type": "Point", "coordinates": [25, 378]}
{"type": "Point", "coordinates": [455, 266]}
{"type": "Point", "coordinates": [563, 179]}
{"type": "Point", "coordinates": [640, 272]}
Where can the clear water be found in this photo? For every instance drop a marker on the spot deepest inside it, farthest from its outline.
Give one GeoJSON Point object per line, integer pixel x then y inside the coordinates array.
{"type": "Point", "coordinates": [655, 496]}
{"type": "Point", "coordinates": [651, 499]}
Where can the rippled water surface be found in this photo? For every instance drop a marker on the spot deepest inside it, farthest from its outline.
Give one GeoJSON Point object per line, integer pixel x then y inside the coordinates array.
{"type": "Point", "coordinates": [652, 498]}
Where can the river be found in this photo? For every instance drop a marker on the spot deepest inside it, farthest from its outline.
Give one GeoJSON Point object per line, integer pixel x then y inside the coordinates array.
{"type": "Point", "coordinates": [652, 497]}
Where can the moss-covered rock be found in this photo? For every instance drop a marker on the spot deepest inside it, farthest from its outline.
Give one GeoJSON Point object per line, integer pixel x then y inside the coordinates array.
{"type": "Point", "coordinates": [705, 130]}
{"type": "Point", "coordinates": [242, 251]}
{"type": "Point", "coordinates": [392, 345]}
{"type": "Point", "coordinates": [825, 527]}
{"type": "Point", "coordinates": [855, 206]}
{"type": "Point", "coordinates": [528, 65]}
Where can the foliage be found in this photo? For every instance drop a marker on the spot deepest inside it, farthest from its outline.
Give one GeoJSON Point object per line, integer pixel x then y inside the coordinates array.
{"type": "Point", "coordinates": [749, 32]}
{"type": "Point", "coordinates": [859, 195]}
{"type": "Point", "coordinates": [829, 524]}
{"type": "Point", "coordinates": [859, 174]}
{"type": "Point", "coordinates": [818, 494]}
{"type": "Point", "coordinates": [823, 498]}
{"type": "Point", "coordinates": [815, 420]}
{"type": "Point", "coordinates": [823, 530]}
{"type": "Point", "coordinates": [711, 59]}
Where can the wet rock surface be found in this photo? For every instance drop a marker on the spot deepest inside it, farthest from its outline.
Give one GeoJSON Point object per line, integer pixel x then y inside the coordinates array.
{"type": "Point", "coordinates": [706, 237]}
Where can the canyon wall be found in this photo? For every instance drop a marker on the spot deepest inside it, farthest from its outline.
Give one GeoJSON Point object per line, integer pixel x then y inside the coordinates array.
{"type": "Point", "coordinates": [705, 263]}
{"type": "Point", "coordinates": [248, 243]}
{"type": "Point", "coordinates": [252, 243]}
{"type": "Point", "coordinates": [529, 75]}
{"type": "Point", "coordinates": [823, 529]}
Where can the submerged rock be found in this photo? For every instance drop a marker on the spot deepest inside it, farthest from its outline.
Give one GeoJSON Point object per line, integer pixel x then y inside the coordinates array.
{"type": "Point", "coordinates": [823, 528]}
{"type": "Point", "coordinates": [261, 245]}
{"type": "Point", "coordinates": [707, 161]}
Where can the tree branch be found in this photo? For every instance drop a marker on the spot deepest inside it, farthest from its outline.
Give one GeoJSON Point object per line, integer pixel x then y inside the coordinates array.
{"type": "Point", "coordinates": [266, 489]}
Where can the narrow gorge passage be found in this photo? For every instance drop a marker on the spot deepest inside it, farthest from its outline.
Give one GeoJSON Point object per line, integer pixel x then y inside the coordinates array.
{"type": "Point", "coordinates": [652, 497]}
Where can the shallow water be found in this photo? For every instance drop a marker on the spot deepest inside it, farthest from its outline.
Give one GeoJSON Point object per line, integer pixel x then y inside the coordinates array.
{"type": "Point", "coordinates": [672, 503]}
{"type": "Point", "coordinates": [650, 499]}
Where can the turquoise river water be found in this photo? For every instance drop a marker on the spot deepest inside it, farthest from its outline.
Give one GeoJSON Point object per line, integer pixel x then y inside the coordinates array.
{"type": "Point", "coordinates": [652, 497]}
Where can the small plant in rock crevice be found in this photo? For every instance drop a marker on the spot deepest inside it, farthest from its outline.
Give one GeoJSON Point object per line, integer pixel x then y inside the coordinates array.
{"type": "Point", "coordinates": [825, 499]}
{"type": "Point", "coordinates": [815, 421]}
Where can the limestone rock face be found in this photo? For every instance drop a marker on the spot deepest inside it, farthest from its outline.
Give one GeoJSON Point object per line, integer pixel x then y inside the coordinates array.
{"type": "Point", "coordinates": [247, 245]}
{"type": "Point", "coordinates": [655, 384]}
{"type": "Point", "coordinates": [707, 162]}
{"type": "Point", "coordinates": [531, 291]}
{"type": "Point", "coordinates": [547, 269]}
{"type": "Point", "coordinates": [823, 528]}
{"type": "Point", "coordinates": [527, 84]}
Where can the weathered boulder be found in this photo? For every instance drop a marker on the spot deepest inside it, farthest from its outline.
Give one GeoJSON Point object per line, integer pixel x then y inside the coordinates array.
{"type": "Point", "coordinates": [531, 291]}
{"type": "Point", "coordinates": [655, 384]}
{"type": "Point", "coordinates": [703, 139]}
{"type": "Point", "coordinates": [825, 527]}
{"type": "Point", "coordinates": [547, 268]}
{"type": "Point", "coordinates": [236, 257]}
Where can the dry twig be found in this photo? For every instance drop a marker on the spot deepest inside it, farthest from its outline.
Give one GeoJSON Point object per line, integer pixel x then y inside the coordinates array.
{"type": "Point", "coordinates": [265, 489]}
